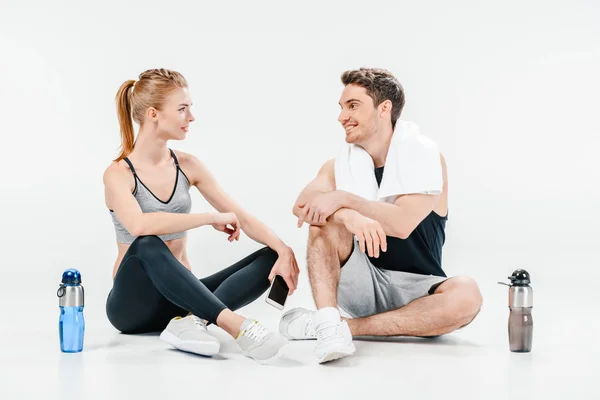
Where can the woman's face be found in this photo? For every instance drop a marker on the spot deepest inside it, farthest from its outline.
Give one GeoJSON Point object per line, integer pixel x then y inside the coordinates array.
{"type": "Point", "coordinates": [175, 115]}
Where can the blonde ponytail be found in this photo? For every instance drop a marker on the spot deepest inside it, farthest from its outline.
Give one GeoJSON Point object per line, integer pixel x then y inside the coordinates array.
{"type": "Point", "coordinates": [123, 100]}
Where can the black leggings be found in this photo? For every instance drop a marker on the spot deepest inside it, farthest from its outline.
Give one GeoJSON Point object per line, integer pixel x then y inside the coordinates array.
{"type": "Point", "coordinates": [151, 287]}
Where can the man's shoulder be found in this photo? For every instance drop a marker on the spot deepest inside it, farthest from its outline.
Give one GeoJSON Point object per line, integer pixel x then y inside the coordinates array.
{"type": "Point", "coordinates": [328, 167]}
{"type": "Point", "coordinates": [410, 134]}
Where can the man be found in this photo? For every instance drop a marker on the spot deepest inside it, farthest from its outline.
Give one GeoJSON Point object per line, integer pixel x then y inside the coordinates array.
{"type": "Point", "coordinates": [375, 237]}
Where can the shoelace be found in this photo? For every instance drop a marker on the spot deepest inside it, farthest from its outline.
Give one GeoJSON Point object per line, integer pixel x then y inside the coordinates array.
{"type": "Point", "coordinates": [199, 323]}
{"type": "Point", "coordinates": [328, 330]}
{"type": "Point", "coordinates": [256, 332]}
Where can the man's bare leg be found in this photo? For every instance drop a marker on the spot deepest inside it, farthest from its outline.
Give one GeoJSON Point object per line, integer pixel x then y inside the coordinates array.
{"type": "Point", "coordinates": [329, 246]}
{"type": "Point", "coordinates": [454, 304]}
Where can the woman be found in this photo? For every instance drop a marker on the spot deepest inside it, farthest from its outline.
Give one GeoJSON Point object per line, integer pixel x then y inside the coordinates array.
{"type": "Point", "coordinates": [147, 193]}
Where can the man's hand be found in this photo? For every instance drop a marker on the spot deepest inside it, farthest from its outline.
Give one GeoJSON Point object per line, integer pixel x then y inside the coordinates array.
{"type": "Point", "coordinates": [369, 232]}
{"type": "Point", "coordinates": [319, 208]}
{"type": "Point", "coordinates": [228, 223]}
{"type": "Point", "coordinates": [287, 267]}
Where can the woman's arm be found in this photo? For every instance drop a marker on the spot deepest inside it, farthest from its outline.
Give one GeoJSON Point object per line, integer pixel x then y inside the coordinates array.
{"type": "Point", "coordinates": [203, 179]}
{"type": "Point", "coordinates": [128, 212]}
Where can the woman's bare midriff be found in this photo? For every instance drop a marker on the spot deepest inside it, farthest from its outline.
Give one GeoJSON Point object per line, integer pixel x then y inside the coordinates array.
{"type": "Point", "coordinates": [177, 247]}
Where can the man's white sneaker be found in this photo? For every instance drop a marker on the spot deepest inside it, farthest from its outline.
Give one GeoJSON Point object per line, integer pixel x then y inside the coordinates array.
{"type": "Point", "coordinates": [258, 343]}
{"type": "Point", "coordinates": [190, 334]}
{"type": "Point", "coordinates": [334, 339]}
{"type": "Point", "coordinates": [297, 324]}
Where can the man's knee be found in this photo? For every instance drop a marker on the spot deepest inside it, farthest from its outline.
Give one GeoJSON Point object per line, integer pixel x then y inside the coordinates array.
{"type": "Point", "coordinates": [467, 298]}
{"type": "Point", "coordinates": [331, 232]}
{"type": "Point", "coordinates": [331, 235]}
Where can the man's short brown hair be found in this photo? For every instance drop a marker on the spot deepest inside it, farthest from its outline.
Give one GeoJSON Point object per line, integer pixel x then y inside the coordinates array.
{"type": "Point", "coordinates": [381, 85]}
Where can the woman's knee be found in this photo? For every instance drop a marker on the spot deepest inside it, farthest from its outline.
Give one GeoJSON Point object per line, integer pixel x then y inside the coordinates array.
{"type": "Point", "coordinates": [268, 253]}
{"type": "Point", "coordinates": [145, 243]}
{"type": "Point", "coordinates": [147, 240]}
{"type": "Point", "coordinates": [268, 258]}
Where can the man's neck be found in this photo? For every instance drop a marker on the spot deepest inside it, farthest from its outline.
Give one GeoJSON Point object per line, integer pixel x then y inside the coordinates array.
{"type": "Point", "coordinates": [377, 146]}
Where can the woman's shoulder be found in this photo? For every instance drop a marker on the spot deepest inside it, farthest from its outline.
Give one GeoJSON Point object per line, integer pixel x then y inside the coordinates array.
{"type": "Point", "coordinates": [116, 170]}
{"type": "Point", "coordinates": [188, 160]}
{"type": "Point", "coordinates": [184, 157]}
{"type": "Point", "coordinates": [192, 166]}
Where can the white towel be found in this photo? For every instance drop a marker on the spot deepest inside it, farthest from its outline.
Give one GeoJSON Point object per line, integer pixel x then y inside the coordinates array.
{"type": "Point", "coordinates": [412, 165]}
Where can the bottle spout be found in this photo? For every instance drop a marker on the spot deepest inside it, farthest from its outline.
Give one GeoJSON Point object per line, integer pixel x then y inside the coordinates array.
{"type": "Point", "coordinates": [520, 277]}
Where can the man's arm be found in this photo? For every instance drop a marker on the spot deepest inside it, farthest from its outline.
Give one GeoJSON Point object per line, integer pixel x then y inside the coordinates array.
{"type": "Point", "coordinates": [398, 219]}
{"type": "Point", "coordinates": [324, 182]}
{"type": "Point", "coordinates": [369, 232]}
{"type": "Point", "coordinates": [320, 202]}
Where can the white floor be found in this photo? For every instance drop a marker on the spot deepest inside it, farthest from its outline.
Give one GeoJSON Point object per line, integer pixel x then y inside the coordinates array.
{"type": "Point", "coordinates": [474, 363]}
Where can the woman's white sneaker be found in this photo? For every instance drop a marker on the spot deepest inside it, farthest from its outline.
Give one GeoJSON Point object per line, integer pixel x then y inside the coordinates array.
{"type": "Point", "coordinates": [190, 334]}
{"type": "Point", "coordinates": [258, 343]}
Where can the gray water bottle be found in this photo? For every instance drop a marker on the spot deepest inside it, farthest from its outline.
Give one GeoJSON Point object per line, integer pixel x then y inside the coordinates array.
{"type": "Point", "coordinates": [520, 304]}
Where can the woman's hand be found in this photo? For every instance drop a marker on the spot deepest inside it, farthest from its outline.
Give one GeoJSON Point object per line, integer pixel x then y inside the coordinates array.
{"type": "Point", "coordinates": [287, 267]}
{"type": "Point", "coordinates": [228, 223]}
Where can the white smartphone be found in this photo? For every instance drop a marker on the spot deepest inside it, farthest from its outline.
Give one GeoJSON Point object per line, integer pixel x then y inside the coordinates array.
{"type": "Point", "coordinates": [278, 293]}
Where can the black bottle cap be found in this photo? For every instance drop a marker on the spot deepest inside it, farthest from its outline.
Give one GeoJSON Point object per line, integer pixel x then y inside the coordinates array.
{"type": "Point", "coordinates": [520, 278]}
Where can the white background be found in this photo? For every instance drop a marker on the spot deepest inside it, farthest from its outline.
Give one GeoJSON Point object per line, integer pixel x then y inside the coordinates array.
{"type": "Point", "coordinates": [509, 91]}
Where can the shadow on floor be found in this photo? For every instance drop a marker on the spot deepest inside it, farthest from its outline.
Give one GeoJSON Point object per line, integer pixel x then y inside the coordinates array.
{"type": "Point", "coordinates": [445, 340]}
{"type": "Point", "coordinates": [119, 339]}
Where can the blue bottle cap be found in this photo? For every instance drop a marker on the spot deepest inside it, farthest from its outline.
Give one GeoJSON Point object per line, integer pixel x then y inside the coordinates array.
{"type": "Point", "coordinates": [71, 277]}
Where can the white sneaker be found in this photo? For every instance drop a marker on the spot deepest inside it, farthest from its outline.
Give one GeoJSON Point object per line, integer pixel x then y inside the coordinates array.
{"type": "Point", "coordinates": [258, 343]}
{"type": "Point", "coordinates": [334, 339]}
{"type": "Point", "coordinates": [297, 324]}
{"type": "Point", "coordinates": [191, 335]}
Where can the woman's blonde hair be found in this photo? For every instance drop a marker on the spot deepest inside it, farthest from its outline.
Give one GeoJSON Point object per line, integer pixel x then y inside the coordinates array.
{"type": "Point", "coordinates": [135, 97]}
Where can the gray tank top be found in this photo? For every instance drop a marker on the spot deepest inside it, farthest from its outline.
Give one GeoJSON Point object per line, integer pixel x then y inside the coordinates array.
{"type": "Point", "coordinates": [179, 202]}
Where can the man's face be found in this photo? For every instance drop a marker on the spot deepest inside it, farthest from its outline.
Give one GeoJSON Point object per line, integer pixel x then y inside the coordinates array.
{"type": "Point", "coordinates": [359, 117]}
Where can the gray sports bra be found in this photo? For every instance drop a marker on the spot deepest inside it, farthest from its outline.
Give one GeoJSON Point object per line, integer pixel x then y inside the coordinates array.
{"type": "Point", "coordinates": [179, 202]}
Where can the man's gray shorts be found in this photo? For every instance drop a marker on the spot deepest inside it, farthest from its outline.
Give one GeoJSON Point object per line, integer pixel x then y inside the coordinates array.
{"type": "Point", "coordinates": [366, 290]}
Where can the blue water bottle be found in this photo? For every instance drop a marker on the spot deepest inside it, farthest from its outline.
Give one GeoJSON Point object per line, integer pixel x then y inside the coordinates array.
{"type": "Point", "coordinates": [71, 325]}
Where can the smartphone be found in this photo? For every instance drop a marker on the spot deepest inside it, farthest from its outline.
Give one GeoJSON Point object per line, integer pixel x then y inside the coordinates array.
{"type": "Point", "coordinates": [278, 293]}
